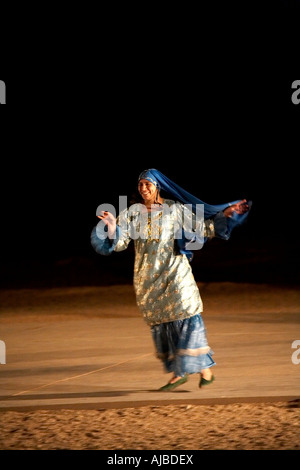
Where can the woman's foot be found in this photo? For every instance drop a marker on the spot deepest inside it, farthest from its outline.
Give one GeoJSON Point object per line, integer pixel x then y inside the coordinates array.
{"type": "Point", "coordinates": [175, 379]}
{"type": "Point", "coordinates": [206, 373]}
{"type": "Point", "coordinates": [206, 377]}
{"type": "Point", "coordinates": [174, 382]}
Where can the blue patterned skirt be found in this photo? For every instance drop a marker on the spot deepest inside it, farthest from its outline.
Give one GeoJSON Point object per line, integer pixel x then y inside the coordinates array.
{"type": "Point", "coordinates": [182, 345]}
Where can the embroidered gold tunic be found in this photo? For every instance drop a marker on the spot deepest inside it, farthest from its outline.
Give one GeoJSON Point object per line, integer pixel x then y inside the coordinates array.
{"type": "Point", "coordinates": [164, 284]}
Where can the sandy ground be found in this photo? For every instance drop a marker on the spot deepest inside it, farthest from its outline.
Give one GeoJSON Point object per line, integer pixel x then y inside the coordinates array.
{"type": "Point", "coordinates": [118, 301]}
{"type": "Point", "coordinates": [250, 426]}
{"type": "Point", "coordinates": [260, 426]}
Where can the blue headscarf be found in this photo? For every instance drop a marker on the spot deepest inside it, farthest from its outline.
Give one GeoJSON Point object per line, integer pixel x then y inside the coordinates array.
{"type": "Point", "coordinates": [162, 182]}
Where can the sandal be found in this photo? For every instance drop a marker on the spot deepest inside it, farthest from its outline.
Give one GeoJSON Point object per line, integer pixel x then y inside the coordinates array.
{"type": "Point", "coordinates": [204, 381]}
{"type": "Point", "coordinates": [171, 386]}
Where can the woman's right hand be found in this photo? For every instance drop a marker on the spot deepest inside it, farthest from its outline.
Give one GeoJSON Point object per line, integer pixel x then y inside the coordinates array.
{"type": "Point", "coordinates": [110, 220]}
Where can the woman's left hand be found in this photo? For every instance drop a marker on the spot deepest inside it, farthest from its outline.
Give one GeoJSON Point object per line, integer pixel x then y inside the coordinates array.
{"type": "Point", "coordinates": [240, 207]}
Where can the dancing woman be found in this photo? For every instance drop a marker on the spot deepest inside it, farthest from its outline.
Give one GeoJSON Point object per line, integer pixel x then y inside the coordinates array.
{"type": "Point", "coordinates": [165, 233]}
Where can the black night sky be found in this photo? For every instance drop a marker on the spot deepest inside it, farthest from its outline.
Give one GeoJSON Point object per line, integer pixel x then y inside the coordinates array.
{"type": "Point", "coordinates": [220, 123]}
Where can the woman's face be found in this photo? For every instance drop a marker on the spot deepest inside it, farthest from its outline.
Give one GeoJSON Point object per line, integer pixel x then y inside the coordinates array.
{"type": "Point", "coordinates": [147, 190]}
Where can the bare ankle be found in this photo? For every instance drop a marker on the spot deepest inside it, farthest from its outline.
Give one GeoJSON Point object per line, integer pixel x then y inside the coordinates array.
{"type": "Point", "coordinates": [206, 373]}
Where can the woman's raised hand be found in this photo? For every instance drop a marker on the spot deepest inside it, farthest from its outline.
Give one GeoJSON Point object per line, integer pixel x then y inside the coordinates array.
{"type": "Point", "coordinates": [110, 220]}
{"type": "Point", "coordinates": [240, 207]}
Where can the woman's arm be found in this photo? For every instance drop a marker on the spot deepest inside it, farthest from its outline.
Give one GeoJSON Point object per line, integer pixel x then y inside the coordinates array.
{"type": "Point", "coordinates": [200, 230]}
{"type": "Point", "coordinates": [110, 234]}
{"type": "Point", "coordinates": [110, 221]}
{"type": "Point", "coordinates": [219, 222]}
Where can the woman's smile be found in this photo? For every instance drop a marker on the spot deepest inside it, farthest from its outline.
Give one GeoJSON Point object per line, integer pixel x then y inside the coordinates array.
{"type": "Point", "coordinates": [147, 190]}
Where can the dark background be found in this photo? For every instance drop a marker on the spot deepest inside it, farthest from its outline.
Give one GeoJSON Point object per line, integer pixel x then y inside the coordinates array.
{"type": "Point", "coordinates": [213, 112]}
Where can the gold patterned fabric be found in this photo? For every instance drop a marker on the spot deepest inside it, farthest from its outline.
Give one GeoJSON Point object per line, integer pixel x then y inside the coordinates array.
{"type": "Point", "coordinates": [164, 284]}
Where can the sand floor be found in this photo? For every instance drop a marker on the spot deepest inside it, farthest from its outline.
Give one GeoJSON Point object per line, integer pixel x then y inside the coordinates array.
{"type": "Point", "coordinates": [246, 426]}
{"type": "Point", "coordinates": [250, 426]}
